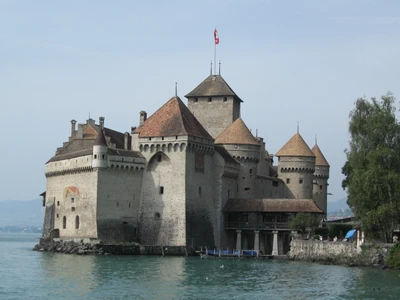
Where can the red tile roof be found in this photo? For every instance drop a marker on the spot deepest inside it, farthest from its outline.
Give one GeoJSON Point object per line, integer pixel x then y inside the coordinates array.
{"type": "Point", "coordinates": [296, 146]}
{"type": "Point", "coordinates": [272, 205]}
{"type": "Point", "coordinates": [213, 85]}
{"type": "Point", "coordinates": [237, 133]}
{"type": "Point", "coordinates": [172, 119]}
{"type": "Point", "coordinates": [320, 159]}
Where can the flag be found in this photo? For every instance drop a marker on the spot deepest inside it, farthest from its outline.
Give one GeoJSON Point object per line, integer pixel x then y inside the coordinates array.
{"type": "Point", "coordinates": [216, 38]}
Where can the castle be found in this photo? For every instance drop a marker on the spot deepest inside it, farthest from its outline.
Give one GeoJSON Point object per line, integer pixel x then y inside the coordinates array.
{"type": "Point", "coordinates": [186, 176]}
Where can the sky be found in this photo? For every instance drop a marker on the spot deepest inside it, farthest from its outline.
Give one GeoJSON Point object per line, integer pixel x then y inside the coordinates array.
{"type": "Point", "coordinates": [289, 61]}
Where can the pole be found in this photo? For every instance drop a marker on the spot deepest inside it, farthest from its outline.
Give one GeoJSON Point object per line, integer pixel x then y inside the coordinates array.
{"type": "Point", "coordinates": [215, 58]}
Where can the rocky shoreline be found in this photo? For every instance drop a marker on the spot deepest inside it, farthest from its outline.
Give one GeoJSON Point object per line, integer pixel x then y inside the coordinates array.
{"type": "Point", "coordinates": [340, 253]}
{"type": "Point", "coordinates": [83, 247]}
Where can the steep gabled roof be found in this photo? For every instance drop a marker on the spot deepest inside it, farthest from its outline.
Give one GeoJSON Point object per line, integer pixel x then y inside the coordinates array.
{"type": "Point", "coordinates": [213, 85]}
{"type": "Point", "coordinates": [237, 133]}
{"type": "Point", "coordinates": [272, 205]}
{"type": "Point", "coordinates": [320, 159]}
{"type": "Point", "coordinates": [173, 118]}
{"type": "Point", "coordinates": [296, 146]}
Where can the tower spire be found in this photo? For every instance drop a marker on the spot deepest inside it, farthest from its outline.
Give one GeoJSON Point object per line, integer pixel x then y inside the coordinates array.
{"type": "Point", "coordinates": [219, 69]}
{"type": "Point", "coordinates": [211, 68]}
{"type": "Point", "coordinates": [298, 130]}
{"type": "Point", "coordinates": [316, 142]}
{"type": "Point", "coordinates": [176, 89]}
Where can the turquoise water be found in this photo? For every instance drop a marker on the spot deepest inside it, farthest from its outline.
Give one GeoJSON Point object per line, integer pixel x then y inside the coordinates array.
{"type": "Point", "coordinates": [27, 274]}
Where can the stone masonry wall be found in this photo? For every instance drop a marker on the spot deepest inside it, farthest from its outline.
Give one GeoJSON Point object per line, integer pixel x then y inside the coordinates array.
{"type": "Point", "coordinates": [217, 115]}
{"type": "Point", "coordinates": [339, 252]}
{"type": "Point", "coordinates": [162, 208]}
{"type": "Point", "coordinates": [201, 199]}
{"type": "Point", "coordinates": [118, 204]}
{"type": "Point", "coordinates": [74, 194]}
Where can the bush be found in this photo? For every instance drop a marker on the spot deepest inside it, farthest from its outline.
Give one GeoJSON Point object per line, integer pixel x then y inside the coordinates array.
{"type": "Point", "coordinates": [339, 229]}
{"type": "Point", "coordinates": [323, 231]}
{"type": "Point", "coordinates": [393, 260]}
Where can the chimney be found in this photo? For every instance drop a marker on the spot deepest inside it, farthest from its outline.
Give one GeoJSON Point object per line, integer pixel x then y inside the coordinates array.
{"type": "Point", "coordinates": [143, 117]}
{"type": "Point", "coordinates": [73, 123]}
{"type": "Point", "coordinates": [126, 139]}
{"type": "Point", "coordinates": [101, 120]}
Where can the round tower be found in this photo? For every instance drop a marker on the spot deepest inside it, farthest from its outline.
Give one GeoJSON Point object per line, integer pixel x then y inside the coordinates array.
{"type": "Point", "coordinates": [241, 145]}
{"type": "Point", "coordinates": [296, 165]}
{"type": "Point", "coordinates": [100, 149]}
{"type": "Point", "coordinates": [321, 176]}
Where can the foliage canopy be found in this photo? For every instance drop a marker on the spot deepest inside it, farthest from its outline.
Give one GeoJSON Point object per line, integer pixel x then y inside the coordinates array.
{"type": "Point", "coordinates": [372, 169]}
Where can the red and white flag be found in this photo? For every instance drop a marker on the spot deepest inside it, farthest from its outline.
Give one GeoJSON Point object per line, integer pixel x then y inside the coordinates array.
{"type": "Point", "coordinates": [216, 37]}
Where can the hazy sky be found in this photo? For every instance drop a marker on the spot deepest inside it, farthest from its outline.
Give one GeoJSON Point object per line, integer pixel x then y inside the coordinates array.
{"type": "Point", "coordinates": [290, 61]}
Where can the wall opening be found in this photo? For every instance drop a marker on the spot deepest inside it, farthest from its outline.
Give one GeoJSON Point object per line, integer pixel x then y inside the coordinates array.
{"type": "Point", "coordinates": [287, 180]}
{"type": "Point", "coordinates": [161, 190]}
{"type": "Point", "coordinates": [64, 222]}
{"type": "Point", "coordinates": [77, 222]}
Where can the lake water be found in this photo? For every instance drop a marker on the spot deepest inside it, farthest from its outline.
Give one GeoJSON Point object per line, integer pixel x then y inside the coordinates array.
{"type": "Point", "coordinates": [27, 274]}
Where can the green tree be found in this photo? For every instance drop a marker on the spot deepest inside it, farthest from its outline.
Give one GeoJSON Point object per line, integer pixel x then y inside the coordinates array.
{"type": "Point", "coordinates": [302, 221]}
{"type": "Point", "coordinates": [372, 169]}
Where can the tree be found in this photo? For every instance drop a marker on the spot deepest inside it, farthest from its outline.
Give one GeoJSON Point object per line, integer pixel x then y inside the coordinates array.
{"type": "Point", "coordinates": [372, 169]}
{"type": "Point", "coordinates": [302, 221]}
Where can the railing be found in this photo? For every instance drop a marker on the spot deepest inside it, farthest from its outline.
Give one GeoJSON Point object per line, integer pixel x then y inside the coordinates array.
{"type": "Point", "coordinates": [261, 225]}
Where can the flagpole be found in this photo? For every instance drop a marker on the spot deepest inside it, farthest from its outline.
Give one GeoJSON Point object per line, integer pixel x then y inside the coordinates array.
{"type": "Point", "coordinates": [215, 58]}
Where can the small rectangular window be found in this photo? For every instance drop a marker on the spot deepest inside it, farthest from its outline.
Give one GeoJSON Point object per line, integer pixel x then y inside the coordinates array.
{"type": "Point", "coordinates": [196, 99]}
{"type": "Point", "coordinates": [161, 190]}
{"type": "Point", "coordinates": [58, 203]}
{"type": "Point", "coordinates": [199, 190]}
{"type": "Point", "coordinates": [287, 180]}
{"type": "Point", "coordinates": [210, 99]}
{"type": "Point", "coordinates": [320, 187]}
{"type": "Point", "coordinates": [275, 183]}
{"type": "Point", "coordinates": [58, 216]}
{"type": "Point", "coordinates": [251, 171]}
{"type": "Point", "coordinates": [72, 200]}
{"type": "Point", "coordinates": [229, 193]}
{"type": "Point", "coordinates": [72, 208]}
{"type": "Point", "coordinates": [300, 180]}
{"type": "Point", "coordinates": [225, 99]}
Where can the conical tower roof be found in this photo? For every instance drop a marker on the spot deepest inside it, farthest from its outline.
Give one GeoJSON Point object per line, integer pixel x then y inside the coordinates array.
{"type": "Point", "coordinates": [237, 133]}
{"type": "Point", "coordinates": [296, 146]}
{"type": "Point", "coordinates": [320, 159]}
{"type": "Point", "coordinates": [100, 139]}
{"type": "Point", "coordinates": [213, 85]}
{"type": "Point", "coordinates": [173, 118]}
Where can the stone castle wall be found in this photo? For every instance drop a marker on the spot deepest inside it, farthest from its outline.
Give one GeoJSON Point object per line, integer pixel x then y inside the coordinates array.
{"type": "Point", "coordinates": [119, 191]}
{"type": "Point", "coordinates": [297, 173]}
{"type": "Point", "coordinates": [162, 208]}
{"type": "Point", "coordinates": [72, 186]}
{"type": "Point", "coordinates": [217, 115]}
{"type": "Point", "coordinates": [201, 195]}
{"type": "Point", "coordinates": [320, 191]}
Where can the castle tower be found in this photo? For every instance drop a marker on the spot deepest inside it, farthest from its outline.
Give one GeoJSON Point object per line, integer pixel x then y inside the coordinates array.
{"type": "Point", "coordinates": [177, 201]}
{"type": "Point", "coordinates": [296, 165]}
{"type": "Point", "coordinates": [321, 176]}
{"type": "Point", "coordinates": [214, 104]}
{"type": "Point", "coordinates": [100, 149]}
{"type": "Point", "coordinates": [241, 144]}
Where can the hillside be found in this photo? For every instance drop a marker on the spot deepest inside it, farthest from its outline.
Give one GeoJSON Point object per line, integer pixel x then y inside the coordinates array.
{"type": "Point", "coordinates": [16, 213]}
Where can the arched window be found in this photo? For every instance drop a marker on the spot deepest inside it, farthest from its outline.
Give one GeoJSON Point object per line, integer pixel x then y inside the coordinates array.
{"type": "Point", "coordinates": [77, 222]}
{"type": "Point", "coordinates": [64, 222]}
